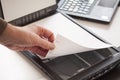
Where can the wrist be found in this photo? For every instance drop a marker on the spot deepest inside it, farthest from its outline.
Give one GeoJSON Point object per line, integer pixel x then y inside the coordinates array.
{"type": "Point", "coordinates": [8, 33]}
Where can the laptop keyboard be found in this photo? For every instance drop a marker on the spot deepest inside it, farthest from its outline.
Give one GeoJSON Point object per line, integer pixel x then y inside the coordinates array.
{"type": "Point", "coordinates": [78, 6]}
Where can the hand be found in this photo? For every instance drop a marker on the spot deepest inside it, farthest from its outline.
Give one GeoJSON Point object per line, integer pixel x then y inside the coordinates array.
{"type": "Point", "coordinates": [33, 38]}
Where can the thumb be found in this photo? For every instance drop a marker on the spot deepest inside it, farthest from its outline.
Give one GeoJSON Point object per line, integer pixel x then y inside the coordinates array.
{"type": "Point", "coordinates": [45, 44]}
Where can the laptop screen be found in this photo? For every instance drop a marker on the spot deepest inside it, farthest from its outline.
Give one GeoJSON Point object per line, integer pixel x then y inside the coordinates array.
{"type": "Point", "coordinates": [13, 9]}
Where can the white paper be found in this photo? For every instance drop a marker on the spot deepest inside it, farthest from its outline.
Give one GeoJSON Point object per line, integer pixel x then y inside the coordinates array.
{"type": "Point", "coordinates": [65, 46]}
{"type": "Point", "coordinates": [70, 38]}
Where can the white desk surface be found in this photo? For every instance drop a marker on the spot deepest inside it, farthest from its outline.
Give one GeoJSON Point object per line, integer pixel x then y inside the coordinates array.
{"type": "Point", "coordinates": [15, 66]}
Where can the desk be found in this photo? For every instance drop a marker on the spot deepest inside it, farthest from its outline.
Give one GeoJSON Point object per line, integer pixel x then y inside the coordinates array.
{"type": "Point", "coordinates": [15, 66]}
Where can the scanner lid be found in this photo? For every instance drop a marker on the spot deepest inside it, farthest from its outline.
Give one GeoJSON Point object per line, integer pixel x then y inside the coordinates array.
{"type": "Point", "coordinates": [13, 9]}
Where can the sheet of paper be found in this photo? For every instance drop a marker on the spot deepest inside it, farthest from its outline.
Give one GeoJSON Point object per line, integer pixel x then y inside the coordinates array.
{"type": "Point", "coordinates": [65, 46]}
{"type": "Point", "coordinates": [70, 38]}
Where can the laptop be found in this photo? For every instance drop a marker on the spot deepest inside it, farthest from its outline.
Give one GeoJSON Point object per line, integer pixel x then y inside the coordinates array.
{"type": "Point", "coordinates": [78, 66]}
{"type": "Point", "coordinates": [101, 10]}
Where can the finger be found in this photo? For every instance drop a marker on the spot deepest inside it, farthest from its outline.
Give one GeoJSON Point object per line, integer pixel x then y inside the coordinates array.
{"type": "Point", "coordinates": [40, 51]}
{"type": "Point", "coordinates": [17, 48]}
{"type": "Point", "coordinates": [47, 34]}
{"type": "Point", "coordinates": [45, 44]}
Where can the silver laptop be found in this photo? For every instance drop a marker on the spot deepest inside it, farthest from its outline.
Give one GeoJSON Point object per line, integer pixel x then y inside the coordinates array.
{"type": "Point", "coordinates": [102, 10]}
